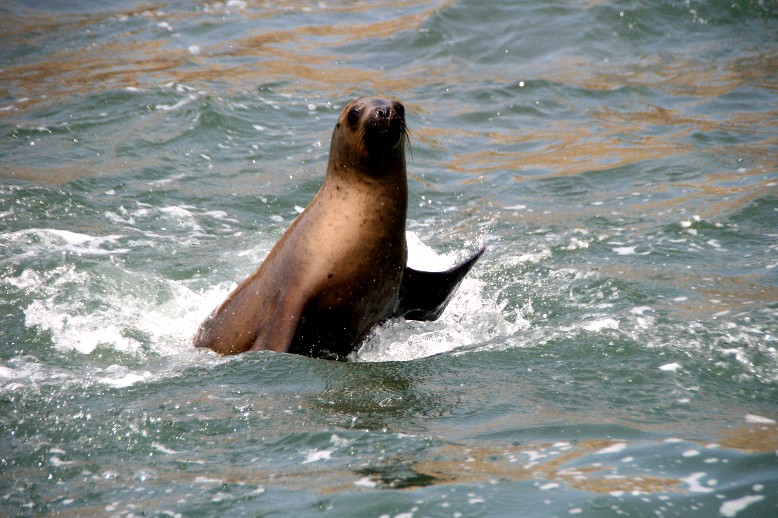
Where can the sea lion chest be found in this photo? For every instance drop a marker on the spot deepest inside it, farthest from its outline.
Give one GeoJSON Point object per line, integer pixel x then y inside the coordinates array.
{"type": "Point", "coordinates": [352, 244]}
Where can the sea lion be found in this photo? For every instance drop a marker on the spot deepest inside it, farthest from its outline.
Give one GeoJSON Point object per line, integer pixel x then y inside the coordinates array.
{"type": "Point", "coordinates": [340, 267]}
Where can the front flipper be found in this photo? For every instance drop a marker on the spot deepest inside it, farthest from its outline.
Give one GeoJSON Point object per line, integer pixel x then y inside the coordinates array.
{"type": "Point", "coordinates": [277, 328]}
{"type": "Point", "coordinates": [424, 295]}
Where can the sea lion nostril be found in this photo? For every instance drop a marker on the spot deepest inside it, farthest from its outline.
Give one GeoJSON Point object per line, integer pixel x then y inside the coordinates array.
{"type": "Point", "coordinates": [383, 112]}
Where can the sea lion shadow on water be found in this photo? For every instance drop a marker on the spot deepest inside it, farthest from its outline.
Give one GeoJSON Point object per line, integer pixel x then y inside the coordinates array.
{"type": "Point", "coordinates": [341, 266]}
{"type": "Point", "coordinates": [375, 396]}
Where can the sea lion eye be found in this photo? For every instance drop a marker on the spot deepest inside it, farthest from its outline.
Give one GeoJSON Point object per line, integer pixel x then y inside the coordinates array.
{"type": "Point", "coordinates": [353, 115]}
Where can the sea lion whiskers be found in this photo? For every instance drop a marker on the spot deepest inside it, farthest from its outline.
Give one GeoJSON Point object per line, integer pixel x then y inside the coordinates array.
{"type": "Point", "coordinates": [406, 138]}
{"type": "Point", "coordinates": [357, 150]}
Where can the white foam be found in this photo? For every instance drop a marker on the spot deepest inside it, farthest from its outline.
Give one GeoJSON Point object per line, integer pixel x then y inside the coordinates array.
{"type": "Point", "coordinates": [127, 380]}
{"type": "Point", "coordinates": [339, 442]}
{"type": "Point", "coordinates": [208, 480]}
{"type": "Point", "coordinates": [695, 486]}
{"type": "Point", "coordinates": [58, 463]}
{"type": "Point", "coordinates": [532, 258]}
{"type": "Point", "coordinates": [162, 448]}
{"type": "Point", "coordinates": [758, 419]}
{"type": "Point", "coordinates": [317, 455]}
{"type": "Point", "coordinates": [7, 373]}
{"type": "Point", "coordinates": [164, 181]}
{"type": "Point", "coordinates": [534, 456]}
{"type": "Point", "coordinates": [46, 240]}
{"type": "Point", "coordinates": [23, 372]}
{"type": "Point", "coordinates": [670, 367]}
{"type": "Point", "coordinates": [732, 507]}
{"type": "Point", "coordinates": [175, 106]}
{"type": "Point", "coordinates": [600, 324]}
{"type": "Point", "coordinates": [468, 319]}
{"type": "Point", "coordinates": [107, 305]}
{"type": "Point", "coordinates": [365, 482]}
{"type": "Point", "coordinates": [183, 216]}
{"type": "Point", "coordinates": [614, 448]}
{"type": "Point", "coordinates": [625, 250]}
{"type": "Point", "coordinates": [423, 257]}
{"type": "Point", "coordinates": [577, 244]}
{"type": "Point", "coordinates": [220, 215]}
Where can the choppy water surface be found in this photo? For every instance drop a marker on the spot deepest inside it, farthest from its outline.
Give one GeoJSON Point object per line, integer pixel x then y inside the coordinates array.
{"type": "Point", "coordinates": [614, 351]}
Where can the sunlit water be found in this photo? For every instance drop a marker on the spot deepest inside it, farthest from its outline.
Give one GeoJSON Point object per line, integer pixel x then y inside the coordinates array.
{"type": "Point", "coordinates": [612, 353]}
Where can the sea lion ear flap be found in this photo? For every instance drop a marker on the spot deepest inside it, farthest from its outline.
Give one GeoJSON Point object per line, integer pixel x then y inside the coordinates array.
{"type": "Point", "coordinates": [424, 295]}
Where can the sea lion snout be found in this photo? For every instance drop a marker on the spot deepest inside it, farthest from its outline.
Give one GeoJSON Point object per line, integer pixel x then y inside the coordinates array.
{"type": "Point", "coordinates": [395, 109]}
{"type": "Point", "coordinates": [391, 111]}
{"type": "Point", "coordinates": [384, 123]}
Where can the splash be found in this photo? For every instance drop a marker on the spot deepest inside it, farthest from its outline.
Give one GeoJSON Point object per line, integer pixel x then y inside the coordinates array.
{"type": "Point", "coordinates": [470, 319]}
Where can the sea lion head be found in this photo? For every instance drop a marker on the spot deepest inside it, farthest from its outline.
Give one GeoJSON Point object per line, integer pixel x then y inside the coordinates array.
{"type": "Point", "coordinates": [370, 131]}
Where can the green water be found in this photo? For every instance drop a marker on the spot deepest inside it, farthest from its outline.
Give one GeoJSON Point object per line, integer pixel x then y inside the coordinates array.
{"type": "Point", "coordinates": [613, 352]}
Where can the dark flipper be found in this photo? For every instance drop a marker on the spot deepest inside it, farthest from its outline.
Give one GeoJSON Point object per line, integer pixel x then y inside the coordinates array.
{"type": "Point", "coordinates": [424, 295]}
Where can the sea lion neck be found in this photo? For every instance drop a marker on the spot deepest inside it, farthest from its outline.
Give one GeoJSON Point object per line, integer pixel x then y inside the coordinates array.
{"type": "Point", "coordinates": [354, 162]}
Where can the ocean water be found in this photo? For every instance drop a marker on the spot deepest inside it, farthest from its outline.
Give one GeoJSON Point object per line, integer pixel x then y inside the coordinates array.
{"type": "Point", "coordinates": [613, 353]}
